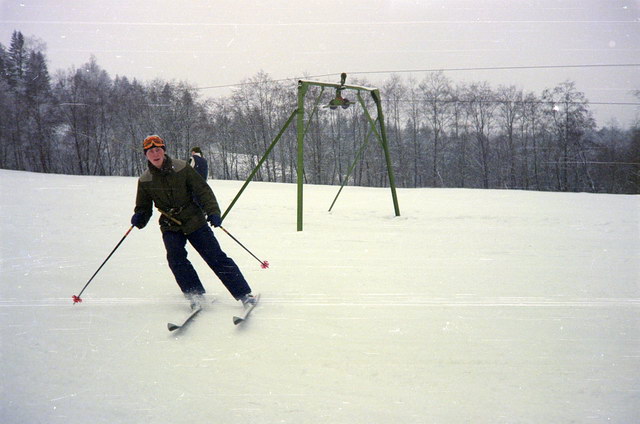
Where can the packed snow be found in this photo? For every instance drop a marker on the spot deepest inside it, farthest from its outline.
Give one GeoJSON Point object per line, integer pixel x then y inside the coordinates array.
{"type": "Point", "coordinates": [473, 306]}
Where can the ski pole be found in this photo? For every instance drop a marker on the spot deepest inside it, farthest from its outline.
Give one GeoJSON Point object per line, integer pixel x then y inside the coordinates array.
{"type": "Point", "coordinates": [263, 264]}
{"type": "Point", "coordinates": [76, 298]}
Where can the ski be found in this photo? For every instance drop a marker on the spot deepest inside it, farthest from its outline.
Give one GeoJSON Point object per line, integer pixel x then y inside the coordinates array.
{"type": "Point", "coordinates": [238, 319]}
{"type": "Point", "coordinates": [174, 327]}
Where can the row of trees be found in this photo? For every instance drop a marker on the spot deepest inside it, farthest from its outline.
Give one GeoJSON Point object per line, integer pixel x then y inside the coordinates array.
{"type": "Point", "coordinates": [441, 133]}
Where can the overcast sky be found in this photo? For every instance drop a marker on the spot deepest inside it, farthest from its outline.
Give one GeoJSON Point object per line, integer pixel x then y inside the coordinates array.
{"type": "Point", "coordinates": [222, 42]}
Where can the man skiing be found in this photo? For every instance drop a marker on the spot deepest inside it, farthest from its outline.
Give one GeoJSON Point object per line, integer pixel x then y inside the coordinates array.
{"type": "Point", "coordinates": [172, 185]}
{"type": "Point", "coordinates": [199, 163]}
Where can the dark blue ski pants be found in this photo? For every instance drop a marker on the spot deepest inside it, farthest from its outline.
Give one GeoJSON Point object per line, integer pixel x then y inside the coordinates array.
{"type": "Point", "coordinates": [208, 247]}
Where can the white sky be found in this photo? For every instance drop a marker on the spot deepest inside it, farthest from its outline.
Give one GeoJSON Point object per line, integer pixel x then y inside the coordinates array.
{"type": "Point", "coordinates": [221, 42]}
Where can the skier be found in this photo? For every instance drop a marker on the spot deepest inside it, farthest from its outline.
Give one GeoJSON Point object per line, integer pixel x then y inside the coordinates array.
{"type": "Point", "coordinates": [171, 184]}
{"type": "Point", "coordinates": [199, 163]}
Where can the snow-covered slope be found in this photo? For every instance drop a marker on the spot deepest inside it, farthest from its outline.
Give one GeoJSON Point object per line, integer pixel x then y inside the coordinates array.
{"type": "Point", "coordinates": [472, 307]}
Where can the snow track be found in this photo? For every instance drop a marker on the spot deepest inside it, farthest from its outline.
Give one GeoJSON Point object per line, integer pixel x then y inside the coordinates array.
{"type": "Point", "coordinates": [473, 306]}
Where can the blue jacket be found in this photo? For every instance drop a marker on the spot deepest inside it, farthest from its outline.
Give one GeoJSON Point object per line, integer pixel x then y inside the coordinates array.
{"type": "Point", "coordinates": [200, 164]}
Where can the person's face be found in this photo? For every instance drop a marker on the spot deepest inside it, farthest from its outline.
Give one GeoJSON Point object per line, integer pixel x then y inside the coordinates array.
{"type": "Point", "coordinates": [155, 155]}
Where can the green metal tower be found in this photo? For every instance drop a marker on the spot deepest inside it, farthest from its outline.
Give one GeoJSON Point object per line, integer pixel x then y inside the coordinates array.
{"type": "Point", "coordinates": [377, 127]}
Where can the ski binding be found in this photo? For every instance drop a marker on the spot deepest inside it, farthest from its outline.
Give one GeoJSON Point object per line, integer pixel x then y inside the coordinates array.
{"type": "Point", "coordinates": [239, 319]}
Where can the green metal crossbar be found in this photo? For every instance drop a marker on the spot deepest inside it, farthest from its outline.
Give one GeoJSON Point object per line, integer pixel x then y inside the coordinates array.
{"type": "Point", "coordinates": [264, 157]}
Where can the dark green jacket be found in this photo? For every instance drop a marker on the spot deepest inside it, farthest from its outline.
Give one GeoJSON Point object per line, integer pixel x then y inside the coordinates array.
{"type": "Point", "coordinates": [172, 190]}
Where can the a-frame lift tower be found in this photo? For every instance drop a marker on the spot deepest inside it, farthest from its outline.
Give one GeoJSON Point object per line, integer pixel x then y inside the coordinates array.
{"type": "Point", "coordinates": [377, 127]}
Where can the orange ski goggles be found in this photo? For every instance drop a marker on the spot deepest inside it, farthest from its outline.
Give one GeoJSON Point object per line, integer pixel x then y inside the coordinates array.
{"type": "Point", "coordinates": [153, 141]}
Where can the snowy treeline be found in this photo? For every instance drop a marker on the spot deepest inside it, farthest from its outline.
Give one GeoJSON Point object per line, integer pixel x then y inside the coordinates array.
{"type": "Point", "coordinates": [441, 133]}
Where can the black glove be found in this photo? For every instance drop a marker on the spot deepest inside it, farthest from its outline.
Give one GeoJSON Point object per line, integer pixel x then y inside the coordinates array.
{"type": "Point", "coordinates": [214, 220]}
{"type": "Point", "coordinates": [139, 220]}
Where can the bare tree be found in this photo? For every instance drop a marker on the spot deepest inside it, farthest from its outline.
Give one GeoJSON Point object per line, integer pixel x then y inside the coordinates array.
{"type": "Point", "coordinates": [480, 109]}
{"type": "Point", "coordinates": [509, 110]}
{"type": "Point", "coordinates": [571, 120]}
{"type": "Point", "coordinates": [437, 92]}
